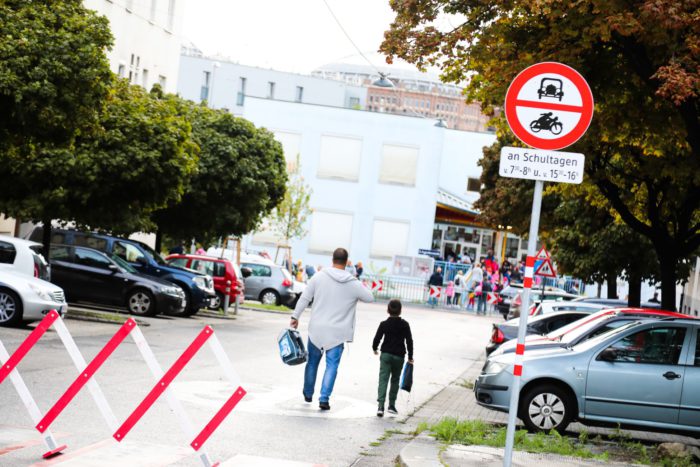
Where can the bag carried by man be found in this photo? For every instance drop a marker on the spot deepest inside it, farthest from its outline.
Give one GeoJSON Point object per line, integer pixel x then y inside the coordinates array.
{"type": "Point", "coordinates": [291, 345]}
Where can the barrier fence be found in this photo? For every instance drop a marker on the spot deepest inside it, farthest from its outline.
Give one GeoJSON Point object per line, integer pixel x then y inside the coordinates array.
{"type": "Point", "coordinates": [86, 373]}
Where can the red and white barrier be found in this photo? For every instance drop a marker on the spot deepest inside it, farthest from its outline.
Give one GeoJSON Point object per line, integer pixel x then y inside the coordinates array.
{"type": "Point", "coordinates": [87, 373]}
{"type": "Point", "coordinates": [435, 291]}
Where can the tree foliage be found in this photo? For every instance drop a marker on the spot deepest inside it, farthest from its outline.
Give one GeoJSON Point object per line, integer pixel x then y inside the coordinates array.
{"type": "Point", "coordinates": [642, 61]}
{"type": "Point", "coordinates": [240, 177]}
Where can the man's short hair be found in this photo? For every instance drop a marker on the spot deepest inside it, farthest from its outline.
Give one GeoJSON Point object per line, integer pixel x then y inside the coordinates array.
{"type": "Point", "coordinates": [394, 307]}
{"type": "Point", "coordinates": [340, 256]}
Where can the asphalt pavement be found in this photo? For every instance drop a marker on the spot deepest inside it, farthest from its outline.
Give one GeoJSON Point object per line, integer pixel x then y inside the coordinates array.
{"type": "Point", "coordinates": [272, 425]}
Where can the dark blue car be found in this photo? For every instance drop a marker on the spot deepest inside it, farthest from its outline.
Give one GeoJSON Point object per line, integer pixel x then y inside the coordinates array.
{"type": "Point", "coordinates": [198, 288]}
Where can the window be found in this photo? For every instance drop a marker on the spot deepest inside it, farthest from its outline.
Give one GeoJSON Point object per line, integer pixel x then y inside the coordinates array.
{"type": "Point", "coordinates": [300, 94]}
{"type": "Point", "coordinates": [95, 243]}
{"type": "Point", "coordinates": [473, 184]}
{"type": "Point", "coordinates": [291, 145]}
{"type": "Point", "coordinates": [91, 258]}
{"type": "Point", "coordinates": [121, 71]}
{"type": "Point", "coordinates": [204, 267]}
{"type": "Point", "coordinates": [204, 92]}
{"type": "Point", "coordinates": [270, 90]}
{"type": "Point", "coordinates": [162, 80]}
{"type": "Point", "coordinates": [258, 270]}
{"type": "Point", "coordinates": [171, 14]}
{"type": "Point", "coordinates": [60, 253]}
{"type": "Point", "coordinates": [241, 91]}
{"type": "Point", "coordinates": [354, 102]}
{"type": "Point", "coordinates": [329, 230]}
{"type": "Point", "coordinates": [389, 238]}
{"type": "Point", "coordinates": [697, 349]}
{"type": "Point", "coordinates": [178, 262]}
{"type": "Point", "coordinates": [7, 253]}
{"type": "Point", "coordinates": [128, 252]}
{"type": "Point", "coordinates": [144, 78]}
{"type": "Point", "coordinates": [129, 5]}
{"type": "Point", "coordinates": [339, 158]}
{"type": "Point", "coordinates": [152, 14]}
{"type": "Point", "coordinates": [658, 345]}
{"type": "Point", "coordinates": [398, 165]}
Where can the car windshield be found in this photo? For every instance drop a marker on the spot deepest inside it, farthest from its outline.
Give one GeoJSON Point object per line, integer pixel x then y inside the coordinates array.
{"type": "Point", "coordinates": [153, 254]}
{"type": "Point", "coordinates": [123, 264]}
{"type": "Point", "coordinates": [585, 345]}
{"type": "Point", "coordinates": [581, 324]}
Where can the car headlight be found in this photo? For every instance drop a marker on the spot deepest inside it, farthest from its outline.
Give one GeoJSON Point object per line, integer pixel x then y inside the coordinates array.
{"type": "Point", "coordinates": [43, 294]}
{"type": "Point", "coordinates": [493, 368]}
{"type": "Point", "coordinates": [171, 290]}
{"type": "Point", "coordinates": [200, 282]}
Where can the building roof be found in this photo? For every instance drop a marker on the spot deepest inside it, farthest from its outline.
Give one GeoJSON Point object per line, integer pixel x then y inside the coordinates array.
{"type": "Point", "coordinates": [450, 200]}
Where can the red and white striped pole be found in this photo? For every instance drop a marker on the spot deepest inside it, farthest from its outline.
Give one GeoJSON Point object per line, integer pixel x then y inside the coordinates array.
{"type": "Point", "coordinates": [522, 326]}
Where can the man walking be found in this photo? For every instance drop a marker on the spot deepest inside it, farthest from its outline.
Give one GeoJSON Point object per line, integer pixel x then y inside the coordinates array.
{"type": "Point", "coordinates": [335, 293]}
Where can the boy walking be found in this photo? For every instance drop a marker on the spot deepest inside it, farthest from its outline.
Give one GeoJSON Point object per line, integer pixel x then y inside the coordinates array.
{"type": "Point", "coordinates": [397, 340]}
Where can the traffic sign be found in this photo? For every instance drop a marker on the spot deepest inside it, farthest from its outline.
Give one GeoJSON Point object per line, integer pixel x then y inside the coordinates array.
{"type": "Point", "coordinates": [546, 166]}
{"type": "Point", "coordinates": [431, 253]}
{"type": "Point", "coordinates": [435, 291]}
{"type": "Point", "coordinates": [546, 269]}
{"type": "Point", "coordinates": [377, 285]}
{"type": "Point", "coordinates": [542, 254]}
{"type": "Point", "coordinates": [491, 298]}
{"type": "Point", "coordinates": [549, 106]}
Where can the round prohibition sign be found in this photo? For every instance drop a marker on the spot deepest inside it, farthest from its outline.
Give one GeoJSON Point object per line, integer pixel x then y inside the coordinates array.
{"type": "Point", "coordinates": [549, 106]}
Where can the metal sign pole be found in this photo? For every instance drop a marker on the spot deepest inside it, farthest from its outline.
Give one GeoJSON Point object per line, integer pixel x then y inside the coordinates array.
{"type": "Point", "coordinates": [522, 326]}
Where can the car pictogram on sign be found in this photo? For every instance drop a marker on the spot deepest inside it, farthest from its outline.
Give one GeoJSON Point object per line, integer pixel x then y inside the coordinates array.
{"type": "Point", "coordinates": [549, 106]}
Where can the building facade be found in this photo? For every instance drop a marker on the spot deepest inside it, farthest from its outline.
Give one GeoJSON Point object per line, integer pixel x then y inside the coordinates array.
{"type": "Point", "coordinates": [147, 36]}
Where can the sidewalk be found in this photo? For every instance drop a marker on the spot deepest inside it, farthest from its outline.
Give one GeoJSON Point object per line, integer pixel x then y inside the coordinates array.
{"type": "Point", "coordinates": [457, 401]}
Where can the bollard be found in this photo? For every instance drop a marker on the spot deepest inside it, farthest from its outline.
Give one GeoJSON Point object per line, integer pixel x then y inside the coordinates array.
{"type": "Point", "coordinates": [227, 297]}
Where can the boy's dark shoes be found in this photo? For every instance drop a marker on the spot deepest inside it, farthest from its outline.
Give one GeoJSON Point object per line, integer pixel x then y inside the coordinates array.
{"type": "Point", "coordinates": [324, 406]}
{"type": "Point", "coordinates": [392, 410]}
{"type": "Point", "coordinates": [307, 399]}
{"type": "Point", "coordinates": [380, 411]}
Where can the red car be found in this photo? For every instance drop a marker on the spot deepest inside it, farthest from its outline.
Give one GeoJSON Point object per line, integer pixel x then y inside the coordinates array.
{"type": "Point", "coordinates": [225, 272]}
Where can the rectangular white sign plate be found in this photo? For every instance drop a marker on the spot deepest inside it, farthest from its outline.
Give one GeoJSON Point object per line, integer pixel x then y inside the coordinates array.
{"type": "Point", "coordinates": [538, 164]}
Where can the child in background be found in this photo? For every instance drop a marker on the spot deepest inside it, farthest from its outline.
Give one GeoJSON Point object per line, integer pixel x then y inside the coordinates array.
{"type": "Point", "coordinates": [450, 292]}
{"type": "Point", "coordinates": [397, 339]}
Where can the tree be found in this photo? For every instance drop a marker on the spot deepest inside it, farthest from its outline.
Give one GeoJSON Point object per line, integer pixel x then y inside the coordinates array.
{"type": "Point", "coordinates": [289, 217]}
{"type": "Point", "coordinates": [240, 177]}
{"type": "Point", "coordinates": [643, 64]}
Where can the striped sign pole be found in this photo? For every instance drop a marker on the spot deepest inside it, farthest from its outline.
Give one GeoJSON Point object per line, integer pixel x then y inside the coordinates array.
{"type": "Point", "coordinates": [522, 326]}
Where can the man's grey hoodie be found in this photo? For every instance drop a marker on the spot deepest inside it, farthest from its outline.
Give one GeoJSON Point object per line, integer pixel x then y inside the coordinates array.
{"type": "Point", "coordinates": [335, 293]}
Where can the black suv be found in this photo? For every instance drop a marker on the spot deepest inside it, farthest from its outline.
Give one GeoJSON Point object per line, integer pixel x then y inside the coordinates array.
{"type": "Point", "coordinates": [198, 288]}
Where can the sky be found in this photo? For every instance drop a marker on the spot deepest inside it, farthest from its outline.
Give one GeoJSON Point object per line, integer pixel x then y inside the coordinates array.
{"type": "Point", "coordinates": [288, 35]}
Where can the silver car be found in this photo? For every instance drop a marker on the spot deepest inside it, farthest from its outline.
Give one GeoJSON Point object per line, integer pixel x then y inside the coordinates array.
{"type": "Point", "coordinates": [269, 283]}
{"type": "Point", "coordinates": [23, 297]}
{"type": "Point", "coordinates": [645, 374]}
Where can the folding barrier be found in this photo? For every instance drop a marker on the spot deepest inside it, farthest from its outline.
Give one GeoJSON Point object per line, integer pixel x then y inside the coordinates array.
{"type": "Point", "coordinates": [86, 377]}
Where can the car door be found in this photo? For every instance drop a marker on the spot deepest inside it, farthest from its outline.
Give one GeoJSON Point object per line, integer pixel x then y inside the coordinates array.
{"type": "Point", "coordinates": [644, 381]}
{"type": "Point", "coordinates": [258, 280]}
{"type": "Point", "coordinates": [98, 282]}
{"type": "Point", "coordinates": [690, 400]}
{"type": "Point", "coordinates": [64, 273]}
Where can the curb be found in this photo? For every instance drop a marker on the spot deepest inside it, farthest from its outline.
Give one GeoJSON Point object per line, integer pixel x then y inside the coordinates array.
{"type": "Point", "coordinates": [93, 316]}
{"type": "Point", "coordinates": [421, 451]}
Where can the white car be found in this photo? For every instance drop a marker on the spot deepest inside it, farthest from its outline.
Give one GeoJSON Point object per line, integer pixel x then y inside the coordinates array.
{"type": "Point", "coordinates": [23, 256]}
{"type": "Point", "coordinates": [552, 306]}
{"type": "Point", "coordinates": [24, 297]}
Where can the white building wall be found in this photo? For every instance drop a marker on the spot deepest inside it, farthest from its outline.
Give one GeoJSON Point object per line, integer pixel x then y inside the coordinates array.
{"type": "Point", "coordinates": [148, 30]}
{"type": "Point", "coordinates": [225, 85]}
{"type": "Point", "coordinates": [460, 162]}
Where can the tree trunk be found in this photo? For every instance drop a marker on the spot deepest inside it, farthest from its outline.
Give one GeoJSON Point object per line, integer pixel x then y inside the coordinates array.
{"type": "Point", "coordinates": [46, 237]}
{"type": "Point", "coordinates": [600, 288]}
{"type": "Point", "coordinates": [634, 282]}
{"type": "Point", "coordinates": [159, 240]}
{"type": "Point", "coordinates": [667, 265]}
{"type": "Point", "coordinates": [611, 279]}
{"type": "Point", "coordinates": [18, 223]}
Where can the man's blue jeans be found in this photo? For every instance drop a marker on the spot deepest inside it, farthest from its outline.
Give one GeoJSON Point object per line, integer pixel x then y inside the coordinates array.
{"type": "Point", "coordinates": [332, 361]}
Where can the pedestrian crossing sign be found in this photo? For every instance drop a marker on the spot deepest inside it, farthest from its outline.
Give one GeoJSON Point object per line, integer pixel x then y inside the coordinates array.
{"type": "Point", "coordinates": [546, 269]}
{"type": "Point", "coordinates": [542, 254]}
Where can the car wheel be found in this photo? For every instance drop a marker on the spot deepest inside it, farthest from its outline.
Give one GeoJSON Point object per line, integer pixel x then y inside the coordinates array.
{"type": "Point", "coordinates": [270, 297]}
{"type": "Point", "coordinates": [141, 303]}
{"type": "Point", "coordinates": [546, 407]}
{"type": "Point", "coordinates": [218, 302]}
{"type": "Point", "coordinates": [10, 308]}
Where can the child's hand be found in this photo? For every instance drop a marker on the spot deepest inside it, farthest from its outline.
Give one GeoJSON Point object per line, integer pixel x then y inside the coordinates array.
{"type": "Point", "coordinates": [376, 353]}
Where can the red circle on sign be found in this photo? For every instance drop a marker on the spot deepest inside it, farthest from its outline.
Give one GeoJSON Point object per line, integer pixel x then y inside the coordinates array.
{"type": "Point", "coordinates": [586, 108]}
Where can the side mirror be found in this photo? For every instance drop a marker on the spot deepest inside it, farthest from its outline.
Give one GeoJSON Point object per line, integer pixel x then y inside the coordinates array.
{"type": "Point", "coordinates": [114, 268]}
{"type": "Point", "coordinates": [608, 355]}
{"type": "Point", "coordinates": [247, 272]}
{"type": "Point", "coordinates": [142, 261]}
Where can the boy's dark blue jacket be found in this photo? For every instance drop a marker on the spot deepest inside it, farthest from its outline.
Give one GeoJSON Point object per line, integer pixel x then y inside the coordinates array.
{"type": "Point", "coordinates": [397, 337]}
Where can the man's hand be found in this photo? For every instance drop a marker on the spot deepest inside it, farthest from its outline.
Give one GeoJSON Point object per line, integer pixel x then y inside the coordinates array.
{"type": "Point", "coordinates": [411, 361]}
{"type": "Point", "coordinates": [293, 323]}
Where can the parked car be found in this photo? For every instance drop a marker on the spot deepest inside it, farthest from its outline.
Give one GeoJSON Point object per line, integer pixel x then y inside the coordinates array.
{"type": "Point", "coordinates": [225, 272]}
{"type": "Point", "coordinates": [537, 296]}
{"type": "Point", "coordinates": [507, 294]}
{"type": "Point", "coordinates": [644, 374]}
{"type": "Point", "coordinates": [552, 306]}
{"type": "Point", "coordinates": [23, 297]}
{"type": "Point", "coordinates": [616, 303]}
{"type": "Point", "coordinates": [269, 283]}
{"type": "Point", "coordinates": [89, 275]}
{"type": "Point", "coordinates": [23, 256]}
{"type": "Point", "coordinates": [586, 328]}
{"type": "Point", "coordinates": [539, 325]}
{"type": "Point", "coordinates": [198, 288]}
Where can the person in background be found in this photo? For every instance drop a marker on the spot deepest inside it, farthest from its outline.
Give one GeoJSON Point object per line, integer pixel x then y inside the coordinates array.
{"type": "Point", "coordinates": [450, 293]}
{"type": "Point", "coordinates": [177, 249]}
{"type": "Point", "coordinates": [200, 250]}
{"type": "Point", "coordinates": [477, 275]}
{"type": "Point", "coordinates": [436, 280]}
{"type": "Point", "coordinates": [310, 271]}
{"type": "Point", "coordinates": [655, 298]}
{"type": "Point", "coordinates": [359, 270]}
{"type": "Point", "coordinates": [300, 271]}
{"type": "Point", "coordinates": [351, 269]}
{"type": "Point", "coordinates": [459, 288]}
{"type": "Point", "coordinates": [486, 287]}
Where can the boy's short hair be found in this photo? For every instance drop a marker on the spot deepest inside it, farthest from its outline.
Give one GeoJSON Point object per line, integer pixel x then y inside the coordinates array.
{"type": "Point", "coordinates": [394, 307]}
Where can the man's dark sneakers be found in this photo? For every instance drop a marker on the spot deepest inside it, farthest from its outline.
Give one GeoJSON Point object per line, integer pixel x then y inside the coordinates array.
{"type": "Point", "coordinates": [380, 411]}
{"type": "Point", "coordinates": [307, 399]}
{"type": "Point", "coordinates": [392, 410]}
{"type": "Point", "coordinates": [324, 405]}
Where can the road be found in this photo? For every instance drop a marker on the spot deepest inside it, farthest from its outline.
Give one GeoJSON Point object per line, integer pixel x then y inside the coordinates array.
{"type": "Point", "coordinates": [272, 423]}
